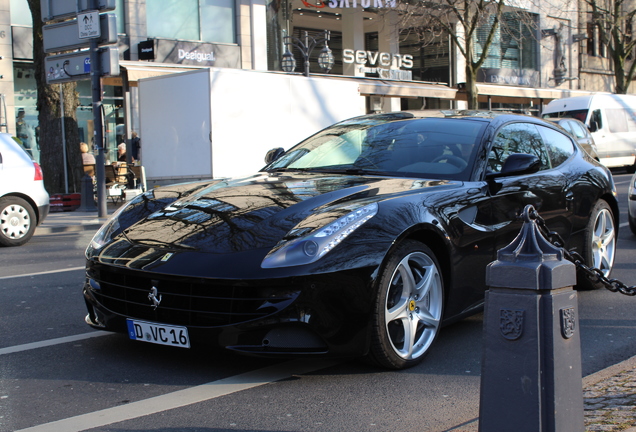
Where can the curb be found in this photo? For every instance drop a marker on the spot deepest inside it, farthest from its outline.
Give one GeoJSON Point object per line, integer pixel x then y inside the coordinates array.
{"type": "Point", "coordinates": [609, 371]}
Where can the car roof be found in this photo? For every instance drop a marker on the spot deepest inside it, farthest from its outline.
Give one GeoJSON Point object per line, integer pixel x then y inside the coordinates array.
{"type": "Point", "coordinates": [498, 117]}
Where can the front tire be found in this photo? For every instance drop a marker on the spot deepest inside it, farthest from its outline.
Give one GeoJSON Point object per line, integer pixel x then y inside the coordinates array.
{"type": "Point", "coordinates": [600, 242]}
{"type": "Point", "coordinates": [408, 307]}
{"type": "Point", "coordinates": [17, 221]}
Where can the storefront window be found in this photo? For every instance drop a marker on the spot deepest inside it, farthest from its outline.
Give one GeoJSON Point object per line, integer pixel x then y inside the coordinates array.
{"type": "Point", "coordinates": [217, 20]}
{"type": "Point", "coordinates": [514, 45]}
{"type": "Point", "coordinates": [26, 114]}
{"type": "Point", "coordinates": [121, 17]}
{"type": "Point", "coordinates": [114, 130]}
{"type": "Point", "coordinates": [204, 20]}
{"type": "Point", "coordinates": [20, 13]}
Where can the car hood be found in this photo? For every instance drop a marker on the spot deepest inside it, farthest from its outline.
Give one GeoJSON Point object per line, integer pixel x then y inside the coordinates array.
{"type": "Point", "coordinates": [259, 211]}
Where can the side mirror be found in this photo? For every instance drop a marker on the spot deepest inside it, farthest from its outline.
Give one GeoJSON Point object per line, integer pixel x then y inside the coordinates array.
{"type": "Point", "coordinates": [593, 126]}
{"type": "Point", "coordinates": [517, 164]}
{"type": "Point", "coordinates": [274, 154]}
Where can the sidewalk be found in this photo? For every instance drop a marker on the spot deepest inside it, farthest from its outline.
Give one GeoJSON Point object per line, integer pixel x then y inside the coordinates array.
{"type": "Point", "coordinates": [609, 398]}
{"type": "Point", "coordinates": [609, 395]}
{"type": "Point", "coordinates": [74, 221]}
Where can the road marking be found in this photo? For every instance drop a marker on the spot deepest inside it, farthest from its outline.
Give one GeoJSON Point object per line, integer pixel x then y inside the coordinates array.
{"type": "Point", "coordinates": [183, 398]}
{"type": "Point", "coordinates": [51, 342]}
{"type": "Point", "coordinates": [43, 273]}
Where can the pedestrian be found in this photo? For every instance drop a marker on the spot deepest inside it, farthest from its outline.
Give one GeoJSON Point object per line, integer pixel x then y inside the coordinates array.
{"type": "Point", "coordinates": [121, 152]}
{"type": "Point", "coordinates": [136, 145]}
{"type": "Point", "coordinates": [87, 158]}
{"type": "Point", "coordinates": [21, 129]}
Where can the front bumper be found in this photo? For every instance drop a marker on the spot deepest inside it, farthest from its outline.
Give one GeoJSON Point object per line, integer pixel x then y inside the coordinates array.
{"type": "Point", "coordinates": [327, 314]}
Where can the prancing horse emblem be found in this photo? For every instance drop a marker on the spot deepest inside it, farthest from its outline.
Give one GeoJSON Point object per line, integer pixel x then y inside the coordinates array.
{"type": "Point", "coordinates": [154, 297]}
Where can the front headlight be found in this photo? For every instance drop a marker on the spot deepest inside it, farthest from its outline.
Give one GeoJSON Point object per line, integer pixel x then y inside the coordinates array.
{"type": "Point", "coordinates": [111, 227]}
{"type": "Point", "coordinates": [313, 246]}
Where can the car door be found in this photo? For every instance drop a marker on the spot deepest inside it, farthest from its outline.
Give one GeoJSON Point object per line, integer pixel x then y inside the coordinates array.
{"type": "Point", "coordinates": [545, 189]}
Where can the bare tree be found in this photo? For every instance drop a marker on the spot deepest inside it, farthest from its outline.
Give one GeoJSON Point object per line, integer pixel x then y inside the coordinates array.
{"type": "Point", "coordinates": [614, 20]}
{"type": "Point", "coordinates": [460, 20]}
{"type": "Point", "coordinates": [50, 119]}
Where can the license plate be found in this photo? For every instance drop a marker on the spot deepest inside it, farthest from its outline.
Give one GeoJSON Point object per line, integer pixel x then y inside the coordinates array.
{"type": "Point", "coordinates": [161, 334]}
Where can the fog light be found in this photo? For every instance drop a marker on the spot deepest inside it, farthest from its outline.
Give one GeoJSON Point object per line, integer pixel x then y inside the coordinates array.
{"type": "Point", "coordinates": [310, 248]}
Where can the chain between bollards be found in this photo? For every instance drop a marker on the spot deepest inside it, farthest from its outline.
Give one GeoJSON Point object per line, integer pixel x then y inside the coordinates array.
{"type": "Point", "coordinates": [595, 275]}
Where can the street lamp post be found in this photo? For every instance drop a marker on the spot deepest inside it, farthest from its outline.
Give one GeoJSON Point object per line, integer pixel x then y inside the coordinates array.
{"type": "Point", "coordinates": [325, 59]}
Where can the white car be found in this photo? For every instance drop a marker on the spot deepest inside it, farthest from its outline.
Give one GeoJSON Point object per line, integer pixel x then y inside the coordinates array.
{"type": "Point", "coordinates": [631, 205]}
{"type": "Point", "coordinates": [24, 203]}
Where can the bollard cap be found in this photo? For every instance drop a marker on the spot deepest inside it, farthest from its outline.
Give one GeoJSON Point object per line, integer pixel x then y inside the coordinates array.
{"type": "Point", "coordinates": [530, 245]}
{"type": "Point", "coordinates": [530, 261]}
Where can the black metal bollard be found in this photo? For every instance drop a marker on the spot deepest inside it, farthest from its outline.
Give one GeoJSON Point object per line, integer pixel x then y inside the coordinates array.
{"type": "Point", "coordinates": [88, 197]}
{"type": "Point", "coordinates": [531, 377]}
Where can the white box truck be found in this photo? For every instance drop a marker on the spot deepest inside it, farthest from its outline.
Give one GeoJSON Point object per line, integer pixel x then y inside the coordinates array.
{"type": "Point", "coordinates": [610, 118]}
{"type": "Point", "coordinates": [215, 123]}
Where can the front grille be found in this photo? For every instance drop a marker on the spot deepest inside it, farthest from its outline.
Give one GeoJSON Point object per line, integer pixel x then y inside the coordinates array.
{"type": "Point", "coordinates": [188, 302]}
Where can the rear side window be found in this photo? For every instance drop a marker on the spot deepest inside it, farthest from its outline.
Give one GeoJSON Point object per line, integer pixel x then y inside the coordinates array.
{"type": "Point", "coordinates": [517, 138]}
{"type": "Point", "coordinates": [559, 146]}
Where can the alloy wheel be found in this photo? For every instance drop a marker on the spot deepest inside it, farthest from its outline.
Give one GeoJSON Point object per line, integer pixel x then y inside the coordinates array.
{"type": "Point", "coordinates": [413, 307]}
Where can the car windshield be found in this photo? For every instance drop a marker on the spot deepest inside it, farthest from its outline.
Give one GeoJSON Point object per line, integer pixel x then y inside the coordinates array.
{"type": "Point", "coordinates": [427, 147]}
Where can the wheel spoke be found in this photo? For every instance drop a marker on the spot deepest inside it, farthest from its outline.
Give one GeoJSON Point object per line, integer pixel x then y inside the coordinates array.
{"type": "Point", "coordinates": [427, 318]}
{"type": "Point", "coordinates": [397, 312]}
{"type": "Point", "coordinates": [404, 282]}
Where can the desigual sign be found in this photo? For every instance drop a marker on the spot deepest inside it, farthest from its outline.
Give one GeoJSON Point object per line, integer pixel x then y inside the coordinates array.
{"type": "Point", "coordinates": [374, 58]}
{"type": "Point", "coordinates": [197, 56]}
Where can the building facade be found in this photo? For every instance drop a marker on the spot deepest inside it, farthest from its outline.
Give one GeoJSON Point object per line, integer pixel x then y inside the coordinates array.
{"type": "Point", "coordinates": [543, 56]}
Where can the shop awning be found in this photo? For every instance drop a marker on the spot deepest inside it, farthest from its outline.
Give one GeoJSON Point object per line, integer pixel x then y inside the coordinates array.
{"type": "Point", "coordinates": [137, 70]}
{"type": "Point", "coordinates": [512, 94]}
{"type": "Point", "coordinates": [405, 89]}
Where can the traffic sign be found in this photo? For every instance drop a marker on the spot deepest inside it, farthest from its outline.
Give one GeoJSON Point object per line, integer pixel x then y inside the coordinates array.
{"type": "Point", "coordinates": [77, 66]}
{"type": "Point", "coordinates": [64, 36]}
{"type": "Point", "coordinates": [55, 10]}
{"type": "Point", "coordinates": [88, 25]}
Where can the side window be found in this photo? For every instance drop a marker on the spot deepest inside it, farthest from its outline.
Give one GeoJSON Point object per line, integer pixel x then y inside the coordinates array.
{"type": "Point", "coordinates": [596, 122]}
{"type": "Point", "coordinates": [567, 125]}
{"type": "Point", "coordinates": [559, 146]}
{"type": "Point", "coordinates": [576, 130]}
{"type": "Point", "coordinates": [517, 138]}
{"type": "Point", "coordinates": [616, 120]}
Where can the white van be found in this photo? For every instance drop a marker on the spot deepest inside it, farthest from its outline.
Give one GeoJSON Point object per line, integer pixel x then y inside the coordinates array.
{"type": "Point", "coordinates": [610, 118]}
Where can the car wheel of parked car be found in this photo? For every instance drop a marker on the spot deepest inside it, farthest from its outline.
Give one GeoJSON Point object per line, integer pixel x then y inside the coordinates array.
{"type": "Point", "coordinates": [632, 223]}
{"type": "Point", "coordinates": [17, 221]}
{"type": "Point", "coordinates": [600, 242]}
{"type": "Point", "coordinates": [408, 308]}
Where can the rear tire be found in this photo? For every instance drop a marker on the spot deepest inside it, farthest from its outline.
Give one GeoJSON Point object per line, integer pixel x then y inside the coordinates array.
{"type": "Point", "coordinates": [600, 243]}
{"type": "Point", "coordinates": [408, 307]}
{"type": "Point", "coordinates": [17, 221]}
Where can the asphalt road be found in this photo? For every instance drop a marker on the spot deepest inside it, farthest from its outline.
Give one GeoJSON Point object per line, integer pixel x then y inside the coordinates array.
{"type": "Point", "coordinates": [56, 374]}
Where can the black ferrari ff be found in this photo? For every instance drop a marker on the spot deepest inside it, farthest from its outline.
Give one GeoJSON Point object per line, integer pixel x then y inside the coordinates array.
{"type": "Point", "coordinates": [363, 240]}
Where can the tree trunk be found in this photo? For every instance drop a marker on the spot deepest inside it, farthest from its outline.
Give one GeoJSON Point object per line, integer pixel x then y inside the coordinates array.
{"type": "Point", "coordinates": [619, 75]}
{"type": "Point", "coordinates": [50, 121]}
{"type": "Point", "coordinates": [472, 93]}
